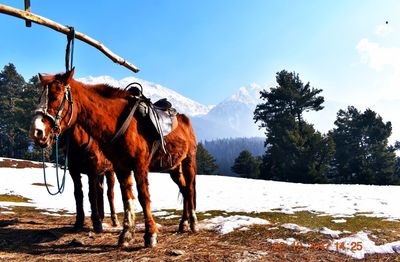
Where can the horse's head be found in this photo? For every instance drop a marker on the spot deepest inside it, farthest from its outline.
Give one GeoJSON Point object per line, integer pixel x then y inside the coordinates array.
{"type": "Point", "coordinates": [55, 111]}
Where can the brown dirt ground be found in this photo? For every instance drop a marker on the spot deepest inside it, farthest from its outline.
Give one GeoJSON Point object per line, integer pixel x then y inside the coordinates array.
{"type": "Point", "coordinates": [19, 163]}
{"type": "Point", "coordinates": [32, 236]}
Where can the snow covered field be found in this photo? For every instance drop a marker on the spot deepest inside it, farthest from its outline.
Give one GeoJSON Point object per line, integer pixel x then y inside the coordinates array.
{"type": "Point", "coordinates": [231, 195]}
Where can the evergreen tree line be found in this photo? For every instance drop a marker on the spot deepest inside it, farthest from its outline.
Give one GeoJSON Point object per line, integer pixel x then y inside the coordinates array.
{"type": "Point", "coordinates": [224, 151]}
{"type": "Point", "coordinates": [356, 150]}
{"type": "Point", "coordinates": [18, 100]}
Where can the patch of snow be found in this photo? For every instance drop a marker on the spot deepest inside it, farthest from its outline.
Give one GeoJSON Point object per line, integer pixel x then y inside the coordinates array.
{"type": "Point", "coordinates": [358, 245]}
{"type": "Point", "coordinates": [7, 212]}
{"type": "Point", "coordinates": [287, 241]}
{"type": "Point", "coordinates": [225, 225]}
{"type": "Point", "coordinates": [171, 217]}
{"type": "Point", "coordinates": [332, 233]}
{"type": "Point", "coordinates": [161, 213]}
{"type": "Point", "coordinates": [338, 221]}
{"type": "Point", "coordinates": [238, 195]}
{"type": "Point", "coordinates": [57, 214]}
{"type": "Point", "coordinates": [302, 230]}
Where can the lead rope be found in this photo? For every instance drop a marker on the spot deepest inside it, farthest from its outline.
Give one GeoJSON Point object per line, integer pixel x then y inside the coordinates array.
{"type": "Point", "coordinates": [69, 56]}
{"type": "Point", "coordinates": [60, 188]}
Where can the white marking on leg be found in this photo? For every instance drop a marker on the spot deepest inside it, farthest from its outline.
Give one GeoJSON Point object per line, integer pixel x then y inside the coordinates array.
{"type": "Point", "coordinates": [129, 224]}
{"type": "Point", "coordinates": [194, 216]}
{"type": "Point", "coordinates": [129, 216]}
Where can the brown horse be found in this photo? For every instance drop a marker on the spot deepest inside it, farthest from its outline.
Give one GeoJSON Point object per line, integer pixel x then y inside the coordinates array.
{"type": "Point", "coordinates": [86, 157]}
{"type": "Point", "coordinates": [101, 110]}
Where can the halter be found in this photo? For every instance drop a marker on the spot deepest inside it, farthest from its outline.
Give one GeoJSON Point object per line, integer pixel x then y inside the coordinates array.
{"type": "Point", "coordinates": [56, 129]}
{"type": "Point", "coordinates": [56, 119]}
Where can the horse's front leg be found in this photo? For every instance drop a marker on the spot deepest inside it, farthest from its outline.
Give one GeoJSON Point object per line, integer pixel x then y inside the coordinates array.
{"type": "Point", "coordinates": [142, 183]}
{"type": "Point", "coordinates": [93, 196]}
{"type": "Point", "coordinates": [125, 182]}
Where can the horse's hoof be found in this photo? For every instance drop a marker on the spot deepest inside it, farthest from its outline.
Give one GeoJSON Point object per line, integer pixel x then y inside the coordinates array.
{"type": "Point", "coordinates": [183, 226]}
{"type": "Point", "coordinates": [150, 240]}
{"type": "Point", "coordinates": [123, 244]}
{"type": "Point", "coordinates": [194, 227]}
{"type": "Point", "coordinates": [115, 222]}
{"type": "Point", "coordinates": [125, 238]}
{"type": "Point", "coordinates": [78, 227]}
{"type": "Point", "coordinates": [98, 228]}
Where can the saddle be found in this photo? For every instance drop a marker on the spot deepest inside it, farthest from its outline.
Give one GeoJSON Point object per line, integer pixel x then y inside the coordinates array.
{"type": "Point", "coordinates": [161, 114]}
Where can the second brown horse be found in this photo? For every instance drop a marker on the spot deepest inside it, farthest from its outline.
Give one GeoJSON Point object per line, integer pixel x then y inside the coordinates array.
{"type": "Point", "coordinates": [86, 157]}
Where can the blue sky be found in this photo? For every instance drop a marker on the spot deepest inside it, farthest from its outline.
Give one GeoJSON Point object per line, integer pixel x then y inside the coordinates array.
{"type": "Point", "coordinates": [207, 49]}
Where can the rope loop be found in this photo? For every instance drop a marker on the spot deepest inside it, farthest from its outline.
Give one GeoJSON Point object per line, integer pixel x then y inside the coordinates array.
{"type": "Point", "coordinates": [60, 186]}
{"type": "Point", "coordinates": [69, 52]}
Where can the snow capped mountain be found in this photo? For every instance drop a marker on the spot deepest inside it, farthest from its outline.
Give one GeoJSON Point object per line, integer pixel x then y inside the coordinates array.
{"type": "Point", "coordinates": [233, 117]}
{"type": "Point", "coordinates": [154, 92]}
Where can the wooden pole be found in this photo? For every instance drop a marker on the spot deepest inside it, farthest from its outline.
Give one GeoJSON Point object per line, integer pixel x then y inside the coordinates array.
{"type": "Point", "coordinates": [65, 30]}
{"type": "Point", "coordinates": [28, 9]}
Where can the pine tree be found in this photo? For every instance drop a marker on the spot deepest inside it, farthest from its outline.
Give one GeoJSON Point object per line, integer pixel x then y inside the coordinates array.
{"type": "Point", "coordinates": [295, 151]}
{"type": "Point", "coordinates": [362, 151]}
{"type": "Point", "coordinates": [205, 162]}
{"type": "Point", "coordinates": [246, 165]}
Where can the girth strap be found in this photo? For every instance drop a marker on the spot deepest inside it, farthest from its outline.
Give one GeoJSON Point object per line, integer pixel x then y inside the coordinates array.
{"type": "Point", "coordinates": [125, 125]}
{"type": "Point", "coordinates": [87, 147]}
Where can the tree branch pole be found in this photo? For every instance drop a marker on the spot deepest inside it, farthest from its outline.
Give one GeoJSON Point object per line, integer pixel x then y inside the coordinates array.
{"type": "Point", "coordinates": [28, 16]}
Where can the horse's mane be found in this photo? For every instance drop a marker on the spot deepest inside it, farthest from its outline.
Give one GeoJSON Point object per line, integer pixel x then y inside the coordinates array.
{"type": "Point", "coordinates": [107, 91]}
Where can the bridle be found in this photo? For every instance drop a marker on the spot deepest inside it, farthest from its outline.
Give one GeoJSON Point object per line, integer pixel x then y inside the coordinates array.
{"type": "Point", "coordinates": [56, 119]}
{"type": "Point", "coordinates": [56, 130]}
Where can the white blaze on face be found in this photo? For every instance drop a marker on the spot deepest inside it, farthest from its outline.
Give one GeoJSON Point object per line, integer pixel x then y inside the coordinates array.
{"type": "Point", "coordinates": [38, 127]}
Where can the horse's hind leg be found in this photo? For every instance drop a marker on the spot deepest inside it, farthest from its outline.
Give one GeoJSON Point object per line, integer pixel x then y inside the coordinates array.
{"type": "Point", "coordinates": [125, 182]}
{"type": "Point", "coordinates": [100, 196]}
{"type": "Point", "coordinates": [78, 193]}
{"type": "Point", "coordinates": [178, 178]}
{"type": "Point", "coordinates": [93, 195]}
{"type": "Point", "coordinates": [110, 177]}
{"type": "Point", "coordinates": [189, 172]}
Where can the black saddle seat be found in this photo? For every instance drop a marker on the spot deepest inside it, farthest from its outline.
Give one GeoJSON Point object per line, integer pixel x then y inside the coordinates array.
{"type": "Point", "coordinates": [163, 104]}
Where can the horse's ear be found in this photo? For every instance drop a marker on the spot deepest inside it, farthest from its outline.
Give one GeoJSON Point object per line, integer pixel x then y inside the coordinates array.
{"type": "Point", "coordinates": [69, 75]}
{"type": "Point", "coordinates": [44, 78]}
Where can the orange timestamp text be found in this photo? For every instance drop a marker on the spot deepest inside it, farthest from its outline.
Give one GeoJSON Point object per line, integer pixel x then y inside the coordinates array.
{"type": "Point", "coordinates": [298, 246]}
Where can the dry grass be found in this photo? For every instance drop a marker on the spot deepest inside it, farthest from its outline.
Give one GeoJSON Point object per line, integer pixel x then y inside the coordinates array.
{"type": "Point", "coordinates": [28, 235]}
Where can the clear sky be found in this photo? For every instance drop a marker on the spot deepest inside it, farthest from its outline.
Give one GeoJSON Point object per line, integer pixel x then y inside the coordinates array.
{"type": "Point", "coordinates": [207, 49]}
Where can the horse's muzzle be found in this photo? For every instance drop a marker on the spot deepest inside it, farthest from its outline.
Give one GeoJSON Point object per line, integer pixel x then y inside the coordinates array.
{"type": "Point", "coordinates": [38, 132]}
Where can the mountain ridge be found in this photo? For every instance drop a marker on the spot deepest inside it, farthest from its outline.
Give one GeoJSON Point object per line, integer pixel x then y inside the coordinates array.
{"type": "Point", "coordinates": [231, 118]}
